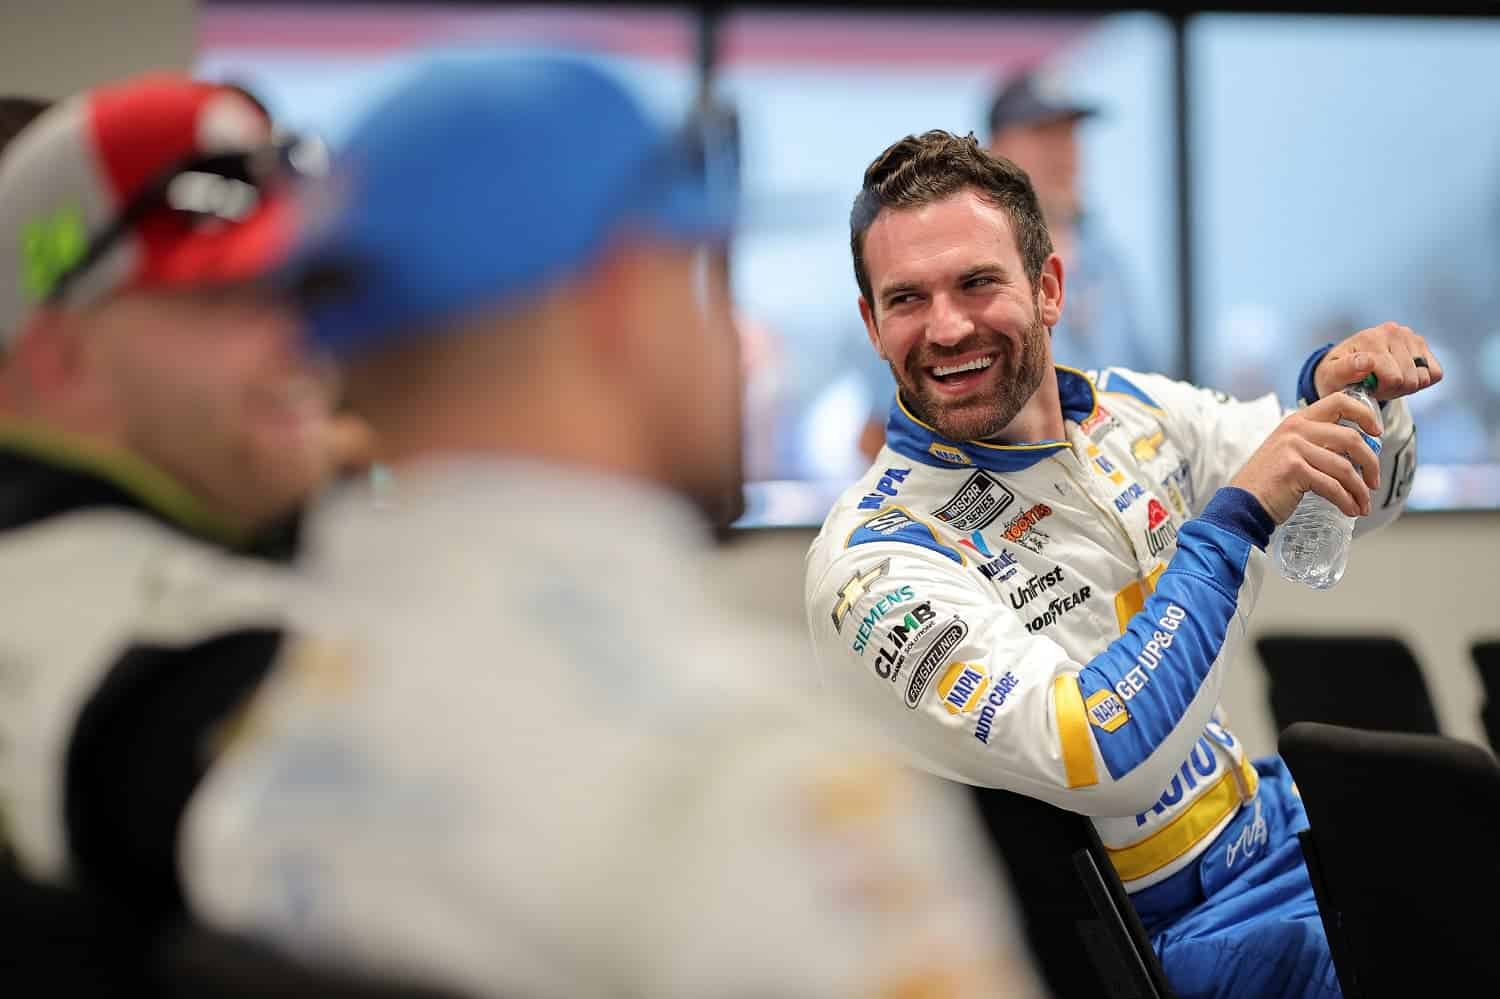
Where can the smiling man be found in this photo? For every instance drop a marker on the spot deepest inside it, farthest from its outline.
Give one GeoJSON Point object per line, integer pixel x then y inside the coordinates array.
{"type": "Point", "coordinates": [1039, 584]}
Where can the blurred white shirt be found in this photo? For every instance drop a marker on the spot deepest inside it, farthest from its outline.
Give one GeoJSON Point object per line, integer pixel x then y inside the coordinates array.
{"type": "Point", "coordinates": [517, 750]}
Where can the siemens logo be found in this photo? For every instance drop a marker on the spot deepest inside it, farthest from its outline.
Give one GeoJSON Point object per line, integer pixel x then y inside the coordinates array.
{"type": "Point", "coordinates": [882, 606]}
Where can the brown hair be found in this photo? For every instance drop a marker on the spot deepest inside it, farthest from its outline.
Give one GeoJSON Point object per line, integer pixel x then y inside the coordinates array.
{"type": "Point", "coordinates": [921, 169]}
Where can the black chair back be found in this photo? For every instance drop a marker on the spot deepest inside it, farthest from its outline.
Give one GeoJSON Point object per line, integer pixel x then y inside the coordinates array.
{"type": "Point", "coordinates": [1371, 682]}
{"type": "Point", "coordinates": [1083, 931]}
{"type": "Point", "coordinates": [1403, 855]}
{"type": "Point", "coordinates": [194, 962]}
{"type": "Point", "coordinates": [72, 942]}
{"type": "Point", "coordinates": [1487, 661]}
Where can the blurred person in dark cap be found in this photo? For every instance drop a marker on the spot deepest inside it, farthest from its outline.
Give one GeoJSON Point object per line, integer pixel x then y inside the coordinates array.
{"type": "Point", "coordinates": [1035, 125]}
{"type": "Point", "coordinates": [514, 747]}
{"type": "Point", "coordinates": [159, 427]}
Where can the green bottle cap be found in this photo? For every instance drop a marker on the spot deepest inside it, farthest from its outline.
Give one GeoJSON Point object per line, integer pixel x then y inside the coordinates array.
{"type": "Point", "coordinates": [1369, 382]}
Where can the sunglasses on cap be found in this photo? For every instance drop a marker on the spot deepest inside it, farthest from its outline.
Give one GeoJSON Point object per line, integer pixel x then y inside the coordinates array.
{"type": "Point", "coordinates": [203, 191]}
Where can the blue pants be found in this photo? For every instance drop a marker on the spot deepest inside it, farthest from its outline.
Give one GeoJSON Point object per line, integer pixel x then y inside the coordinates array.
{"type": "Point", "coordinates": [1242, 922]}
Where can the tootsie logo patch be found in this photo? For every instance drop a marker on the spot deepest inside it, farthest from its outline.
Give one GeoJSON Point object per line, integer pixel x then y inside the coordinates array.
{"type": "Point", "coordinates": [1024, 532]}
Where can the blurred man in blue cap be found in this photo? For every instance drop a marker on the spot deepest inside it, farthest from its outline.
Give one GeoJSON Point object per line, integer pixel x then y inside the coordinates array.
{"type": "Point", "coordinates": [1034, 125]}
{"type": "Point", "coordinates": [515, 748]}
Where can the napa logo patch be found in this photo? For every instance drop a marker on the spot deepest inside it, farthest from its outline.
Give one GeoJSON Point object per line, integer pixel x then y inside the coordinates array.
{"type": "Point", "coordinates": [1106, 710]}
{"type": "Point", "coordinates": [962, 686]}
{"type": "Point", "coordinates": [948, 453]}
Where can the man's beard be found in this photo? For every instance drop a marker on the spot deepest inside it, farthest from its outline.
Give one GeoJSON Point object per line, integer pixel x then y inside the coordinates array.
{"type": "Point", "coordinates": [984, 416]}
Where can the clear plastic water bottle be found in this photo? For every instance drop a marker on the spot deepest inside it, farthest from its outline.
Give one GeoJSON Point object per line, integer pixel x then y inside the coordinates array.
{"type": "Point", "coordinates": [1312, 547]}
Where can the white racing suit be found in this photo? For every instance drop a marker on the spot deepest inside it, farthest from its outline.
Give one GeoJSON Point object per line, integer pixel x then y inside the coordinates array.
{"type": "Point", "coordinates": [1055, 619]}
{"type": "Point", "coordinates": [517, 749]}
{"type": "Point", "coordinates": [127, 632]}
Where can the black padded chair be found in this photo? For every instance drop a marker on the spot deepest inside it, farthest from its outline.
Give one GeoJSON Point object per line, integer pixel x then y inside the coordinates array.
{"type": "Point", "coordinates": [1402, 852]}
{"type": "Point", "coordinates": [1487, 661]}
{"type": "Point", "coordinates": [192, 962]}
{"type": "Point", "coordinates": [67, 942]}
{"type": "Point", "coordinates": [1083, 931]}
{"type": "Point", "coordinates": [1370, 682]}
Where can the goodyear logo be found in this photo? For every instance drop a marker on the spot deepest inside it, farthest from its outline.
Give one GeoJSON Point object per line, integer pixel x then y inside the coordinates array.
{"type": "Point", "coordinates": [962, 687]}
{"type": "Point", "coordinates": [949, 454]}
{"type": "Point", "coordinates": [1106, 710]}
{"type": "Point", "coordinates": [49, 248]}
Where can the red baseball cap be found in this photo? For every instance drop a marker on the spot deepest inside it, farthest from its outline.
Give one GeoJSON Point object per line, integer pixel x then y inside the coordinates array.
{"type": "Point", "coordinates": [157, 181]}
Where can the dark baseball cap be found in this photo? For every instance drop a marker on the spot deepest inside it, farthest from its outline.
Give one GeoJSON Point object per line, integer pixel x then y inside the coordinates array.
{"type": "Point", "coordinates": [1028, 99]}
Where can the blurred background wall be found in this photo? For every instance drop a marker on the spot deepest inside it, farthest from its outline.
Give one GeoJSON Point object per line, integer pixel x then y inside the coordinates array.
{"type": "Point", "coordinates": [54, 47]}
{"type": "Point", "coordinates": [1430, 579]}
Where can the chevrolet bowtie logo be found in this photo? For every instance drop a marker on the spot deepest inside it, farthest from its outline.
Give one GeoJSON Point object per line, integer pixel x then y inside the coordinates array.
{"type": "Point", "coordinates": [854, 591]}
{"type": "Point", "coordinates": [1144, 449]}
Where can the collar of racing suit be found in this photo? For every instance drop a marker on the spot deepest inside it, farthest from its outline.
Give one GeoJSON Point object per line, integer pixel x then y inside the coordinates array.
{"type": "Point", "coordinates": [909, 436]}
{"type": "Point", "coordinates": [45, 472]}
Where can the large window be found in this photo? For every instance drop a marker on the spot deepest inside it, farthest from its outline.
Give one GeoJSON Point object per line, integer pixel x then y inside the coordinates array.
{"type": "Point", "coordinates": [1347, 172]}
{"type": "Point", "coordinates": [817, 98]}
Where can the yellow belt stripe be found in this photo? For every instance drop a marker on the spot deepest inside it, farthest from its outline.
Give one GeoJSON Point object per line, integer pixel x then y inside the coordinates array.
{"type": "Point", "coordinates": [1073, 732]}
{"type": "Point", "coordinates": [1185, 831]}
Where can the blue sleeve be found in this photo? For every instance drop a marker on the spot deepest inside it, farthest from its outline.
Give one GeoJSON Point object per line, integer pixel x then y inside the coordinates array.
{"type": "Point", "coordinates": [1307, 389]}
{"type": "Point", "coordinates": [1137, 690]}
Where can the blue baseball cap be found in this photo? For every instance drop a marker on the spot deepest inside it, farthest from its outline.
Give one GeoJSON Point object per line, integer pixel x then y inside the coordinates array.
{"type": "Point", "coordinates": [483, 183]}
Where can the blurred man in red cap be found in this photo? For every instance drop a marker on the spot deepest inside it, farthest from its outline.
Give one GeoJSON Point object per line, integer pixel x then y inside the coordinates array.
{"type": "Point", "coordinates": [155, 410]}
